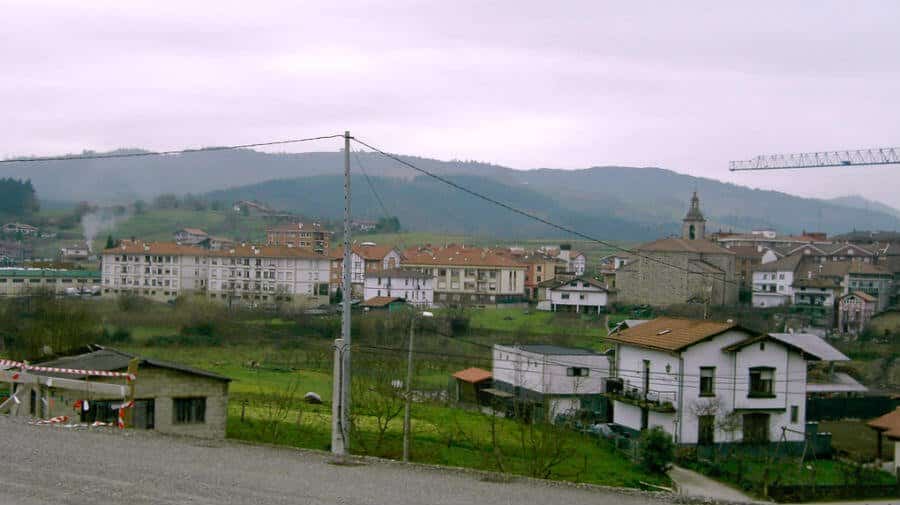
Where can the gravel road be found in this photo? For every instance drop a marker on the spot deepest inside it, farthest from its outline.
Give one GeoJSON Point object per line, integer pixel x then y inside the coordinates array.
{"type": "Point", "coordinates": [47, 464]}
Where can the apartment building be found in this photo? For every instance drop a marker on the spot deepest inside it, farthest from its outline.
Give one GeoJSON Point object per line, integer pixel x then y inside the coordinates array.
{"type": "Point", "coordinates": [415, 288]}
{"type": "Point", "coordinates": [470, 275]}
{"type": "Point", "coordinates": [246, 274]}
{"type": "Point", "coordinates": [310, 236]}
{"type": "Point", "coordinates": [27, 281]}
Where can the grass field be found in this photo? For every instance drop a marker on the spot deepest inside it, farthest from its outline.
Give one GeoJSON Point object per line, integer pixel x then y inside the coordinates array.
{"type": "Point", "coordinates": [856, 439]}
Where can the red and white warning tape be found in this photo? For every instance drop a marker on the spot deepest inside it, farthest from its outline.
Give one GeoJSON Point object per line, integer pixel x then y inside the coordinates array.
{"type": "Point", "coordinates": [5, 363]}
{"type": "Point", "coordinates": [52, 420]}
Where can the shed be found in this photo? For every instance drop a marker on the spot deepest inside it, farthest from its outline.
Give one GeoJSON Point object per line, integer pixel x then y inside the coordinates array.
{"type": "Point", "coordinates": [888, 425]}
{"type": "Point", "coordinates": [388, 303]}
{"type": "Point", "coordinates": [169, 397]}
{"type": "Point", "coordinates": [470, 385]}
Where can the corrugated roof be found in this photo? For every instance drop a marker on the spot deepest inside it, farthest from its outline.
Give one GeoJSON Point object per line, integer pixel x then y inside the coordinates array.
{"type": "Point", "coordinates": [674, 244]}
{"type": "Point", "coordinates": [108, 359]}
{"type": "Point", "coordinates": [805, 342]}
{"type": "Point", "coordinates": [44, 273]}
{"type": "Point", "coordinates": [671, 334]}
{"type": "Point", "coordinates": [842, 383]}
{"type": "Point", "coordinates": [554, 350]}
{"type": "Point", "coordinates": [473, 375]}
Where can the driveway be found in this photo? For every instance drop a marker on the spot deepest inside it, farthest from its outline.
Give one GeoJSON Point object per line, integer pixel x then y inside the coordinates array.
{"type": "Point", "coordinates": [691, 483]}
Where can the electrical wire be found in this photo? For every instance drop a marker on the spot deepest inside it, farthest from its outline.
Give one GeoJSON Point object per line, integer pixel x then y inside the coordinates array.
{"type": "Point", "coordinates": [387, 215]}
{"type": "Point", "coordinates": [165, 153]}
{"type": "Point", "coordinates": [534, 217]}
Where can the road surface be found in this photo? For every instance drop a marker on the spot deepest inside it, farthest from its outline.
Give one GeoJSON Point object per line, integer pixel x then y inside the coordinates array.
{"type": "Point", "coordinates": [48, 464]}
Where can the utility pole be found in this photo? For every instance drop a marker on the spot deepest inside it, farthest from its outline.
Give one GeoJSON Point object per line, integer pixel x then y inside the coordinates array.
{"type": "Point", "coordinates": [409, 375]}
{"type": "Point", "coordinates": [340, 412]}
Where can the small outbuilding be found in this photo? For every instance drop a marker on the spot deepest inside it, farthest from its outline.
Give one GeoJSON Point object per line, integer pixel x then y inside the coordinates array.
{"type": "Point", "coordinates": [169, 397]}
{"type": "Point", "coordinates": [388, 303]}
{"type": "Point", "coordinates": [470, 385]}
{"type": "Point", "coordinates": [888, 426]}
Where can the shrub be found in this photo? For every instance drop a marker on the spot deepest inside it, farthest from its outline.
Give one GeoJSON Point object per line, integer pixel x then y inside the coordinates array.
{"type": "Point", "coordinates": [657, 450]}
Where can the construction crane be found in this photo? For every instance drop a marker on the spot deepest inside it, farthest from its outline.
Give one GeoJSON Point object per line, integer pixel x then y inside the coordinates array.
{"type": "Point", "coordinates": [859, 157]}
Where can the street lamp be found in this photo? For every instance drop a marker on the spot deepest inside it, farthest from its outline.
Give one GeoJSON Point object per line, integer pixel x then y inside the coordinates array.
{"type": "Point", "coordinates": [409, 373]}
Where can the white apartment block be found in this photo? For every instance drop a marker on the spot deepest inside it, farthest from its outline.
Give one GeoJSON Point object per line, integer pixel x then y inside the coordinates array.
{"type": "Point", "coordinates": [414, 287]}
{"type": "Point", "coordinates": [246, 274]}
{"type": "Point", "coordinates": [470, 275]}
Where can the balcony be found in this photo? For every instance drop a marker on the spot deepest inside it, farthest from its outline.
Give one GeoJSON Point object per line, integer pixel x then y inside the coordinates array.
{"type": "Point", "coordinates": [658, 401]}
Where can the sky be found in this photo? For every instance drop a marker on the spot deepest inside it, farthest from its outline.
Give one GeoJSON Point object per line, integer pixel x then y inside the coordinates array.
{"type": "Point", "coordinates": [683, 85]}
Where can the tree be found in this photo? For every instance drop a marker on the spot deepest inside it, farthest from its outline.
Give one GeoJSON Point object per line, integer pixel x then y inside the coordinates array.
{"type": "Point", "coordinates": [388, 225]}
{"type": "Point", "coordinates": [140, 207]}
{"type": "Point", "coordinates": [657, 450]}
{"type": "Point", "coordinates": [166, 201]}
{"type": "Point", "coordinates": [110, 243]}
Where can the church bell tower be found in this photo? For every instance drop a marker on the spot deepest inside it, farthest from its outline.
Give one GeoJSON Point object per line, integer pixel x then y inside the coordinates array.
{"type": "Point", "coordinates": [694, 227]}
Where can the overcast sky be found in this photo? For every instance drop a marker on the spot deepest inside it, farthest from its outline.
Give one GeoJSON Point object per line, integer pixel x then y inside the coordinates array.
{"type": "Point", "coordinates": [680, 85]}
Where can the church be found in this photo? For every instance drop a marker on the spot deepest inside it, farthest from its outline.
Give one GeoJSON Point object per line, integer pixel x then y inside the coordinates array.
{"type": "Point", "coordinates": [686, 269]}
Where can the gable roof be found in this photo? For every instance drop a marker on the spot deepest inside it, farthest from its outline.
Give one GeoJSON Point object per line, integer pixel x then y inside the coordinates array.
{"type": "Point", "coordinates": [806, 343]}
{"type": "Point", "coordinates": [381, 301]}
{"type": "Point", "coordinates": [788, 263]}
{"type": "Point", "coordinates": [462, 256]}
{"type": "Point", "coordinates": [194, 231]}
{"type": "Point", "coordinates": [558, 283]}
{"type": "Point", "coordinates": [674, 244]}
{"type": "Point", "coordinates": [473, 375]}
{"type": "Point", "coordinates": [366, 252]}
{"type": "Point", "coordinates": [109, 360]}
{"type": "Point", "coordinates": [671, 334]}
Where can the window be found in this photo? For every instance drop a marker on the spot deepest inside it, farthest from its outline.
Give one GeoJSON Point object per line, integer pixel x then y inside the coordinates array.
{"type": "Point", "coordinates": [189, 410]}
{"type": "Point", "coordinates": [707, 430]}
{"type": "Point", "coordinates": [577, 372]}
{"type": "Point", "coordinates": [795, 414]}
{"type": "Point", "coordinates": [581, 297]}
{"type": "Point", "coordinates": [707, 381]}
{"type": "Point", "coordinates": [564, 296]}
{"type": "Point", "coordinates": [761, 382]}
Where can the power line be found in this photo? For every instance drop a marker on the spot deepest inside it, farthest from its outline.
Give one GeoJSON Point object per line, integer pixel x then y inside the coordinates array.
{"type": "Point", "coordinates": [534, 217]}
{"type": "Point", "coordinates": [387, 215]}
{"type": "Point", "coordinates": [164, 153]}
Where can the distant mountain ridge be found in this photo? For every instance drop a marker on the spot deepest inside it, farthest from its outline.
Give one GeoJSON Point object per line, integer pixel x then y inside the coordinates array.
{"type": "Point", "coordinates": [613, 202]}
{"type": "Point", "coordinates": [860, 202]}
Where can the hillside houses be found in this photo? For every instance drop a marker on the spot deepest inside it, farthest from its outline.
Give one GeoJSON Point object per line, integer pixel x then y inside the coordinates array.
{"type": "Point", "coordinates": [366, 259]}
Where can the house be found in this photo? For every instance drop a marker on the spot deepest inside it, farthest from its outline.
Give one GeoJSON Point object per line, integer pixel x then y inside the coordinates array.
{"type": "Point", "coordinates": [773, 283]}
{"type": "Point", "coordinates": [675, 270]}
{"type": "Point", "coordinates": [470, 385]}
{"type": "Point", "coordinates": [363, 226]}
{"type": "Point", "coordinates": [310, 236]}
{"type": "Point", "coordinates": [539, 268]}
{"type": "Point", "coordinates": [608, 266]}
{"type": "Point", "coordinates": [16, 228]}
{"type": "Point", "coordinates": [708, 382]}
{"type": "Point", "coordinates": [888, 426]}
{"type": "Point", "coordinates": [190, 236]}
{"type": "Point", "coordinates": [414, 287]}
{"type": "Point", "coordinates": [769, 239]}
{"type": "Point", "coordinates": [75, 252]}
{"type": "Point", "coordinates": [216, 243]}
{"type": "Point", "coordinates": [464, 275]}
{"type": "Point", "coordinates": [571, 262]}
{"type": "Point", "coordinates": [169, 397]}
{"type": "Point", "coordinates": [245, 274]}
{"type": "Point", "coordinates": [855, 310]}
{"type": "Point", "coordinates": [581, 294]}
{"type": "Point", "coordinates": [366, 259]}
{"type": "Point", "coordinates": [388, 303]}
{"type": "Point", "coordinates": [747, 259]}
{"type": "Point", "coordinates": [548, 380]}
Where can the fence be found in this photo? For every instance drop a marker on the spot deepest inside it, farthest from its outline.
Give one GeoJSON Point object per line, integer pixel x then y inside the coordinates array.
{"type": "Point", "coordinates": [832, 409]}
{"type": "Point", "coordinates": [799, 493]}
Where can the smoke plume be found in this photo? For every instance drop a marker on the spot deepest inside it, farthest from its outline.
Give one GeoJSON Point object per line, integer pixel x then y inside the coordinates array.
{"type": "Point", "coordinates": [100, 220]}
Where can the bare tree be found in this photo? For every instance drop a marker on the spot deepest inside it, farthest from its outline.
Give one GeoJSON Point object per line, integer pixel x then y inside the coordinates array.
{"type": "Point", "coordinates": [275, 407]}
{"type": "Point", "coordinates": [377, 396]}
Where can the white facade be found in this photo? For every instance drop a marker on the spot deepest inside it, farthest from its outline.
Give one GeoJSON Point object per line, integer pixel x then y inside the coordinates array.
{"type": "Point", "coordinates": [773, 289]}
{"type": "Point", "coordinates": [675, 378]}
{"type": "Point", "coordinates": [247, 274]}
{"type": "Point", "coordinates": [417, 289]}
{"type": "Point", "coordinates": [578, 295]}
{"type": "Point", "coordinates": [558, 375]}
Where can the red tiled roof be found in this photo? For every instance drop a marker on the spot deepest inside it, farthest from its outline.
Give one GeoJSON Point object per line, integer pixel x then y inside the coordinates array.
{"type": "Point", "coordinates": [367, 252]}
{"type": "Point", "coordinates": [670, 334]}
{"type": "Point", "coordinates": [381, 301]}
{"type": "Point", "coordinates": [473, 375]}
{"type": "Point", "coordinates": [461, 256]}
{"type": "Point", "coordinates": [888, 423]}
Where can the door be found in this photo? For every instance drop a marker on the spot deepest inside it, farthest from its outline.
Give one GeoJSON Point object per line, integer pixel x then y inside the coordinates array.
{"type": "Point", "coordinates": [756, 428]}
{"type": "Point", "coordinates": [144, 414]}
{"type": "Point", "coordinates": [706, 430]}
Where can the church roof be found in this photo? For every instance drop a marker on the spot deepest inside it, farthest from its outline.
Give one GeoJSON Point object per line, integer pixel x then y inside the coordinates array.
{"type": "Point", "coordinates": [694, 213]}
{"type": "Point", "coordinates": [681, 245]}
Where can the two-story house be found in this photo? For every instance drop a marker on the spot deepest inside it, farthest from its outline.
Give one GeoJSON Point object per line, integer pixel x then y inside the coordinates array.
{"type": "Point", "coordinates": [773, 283]}
{"type": "Point", "coordinates": [366, 259]}
{"type": "Point", "coordinates": [550, 380]}
{"type": "Point", "coordinates": [581, 294]}
{"type": "Point", "coordinates": [708, 382]}
{"type": "Point", "coordinates": [412, 286]}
